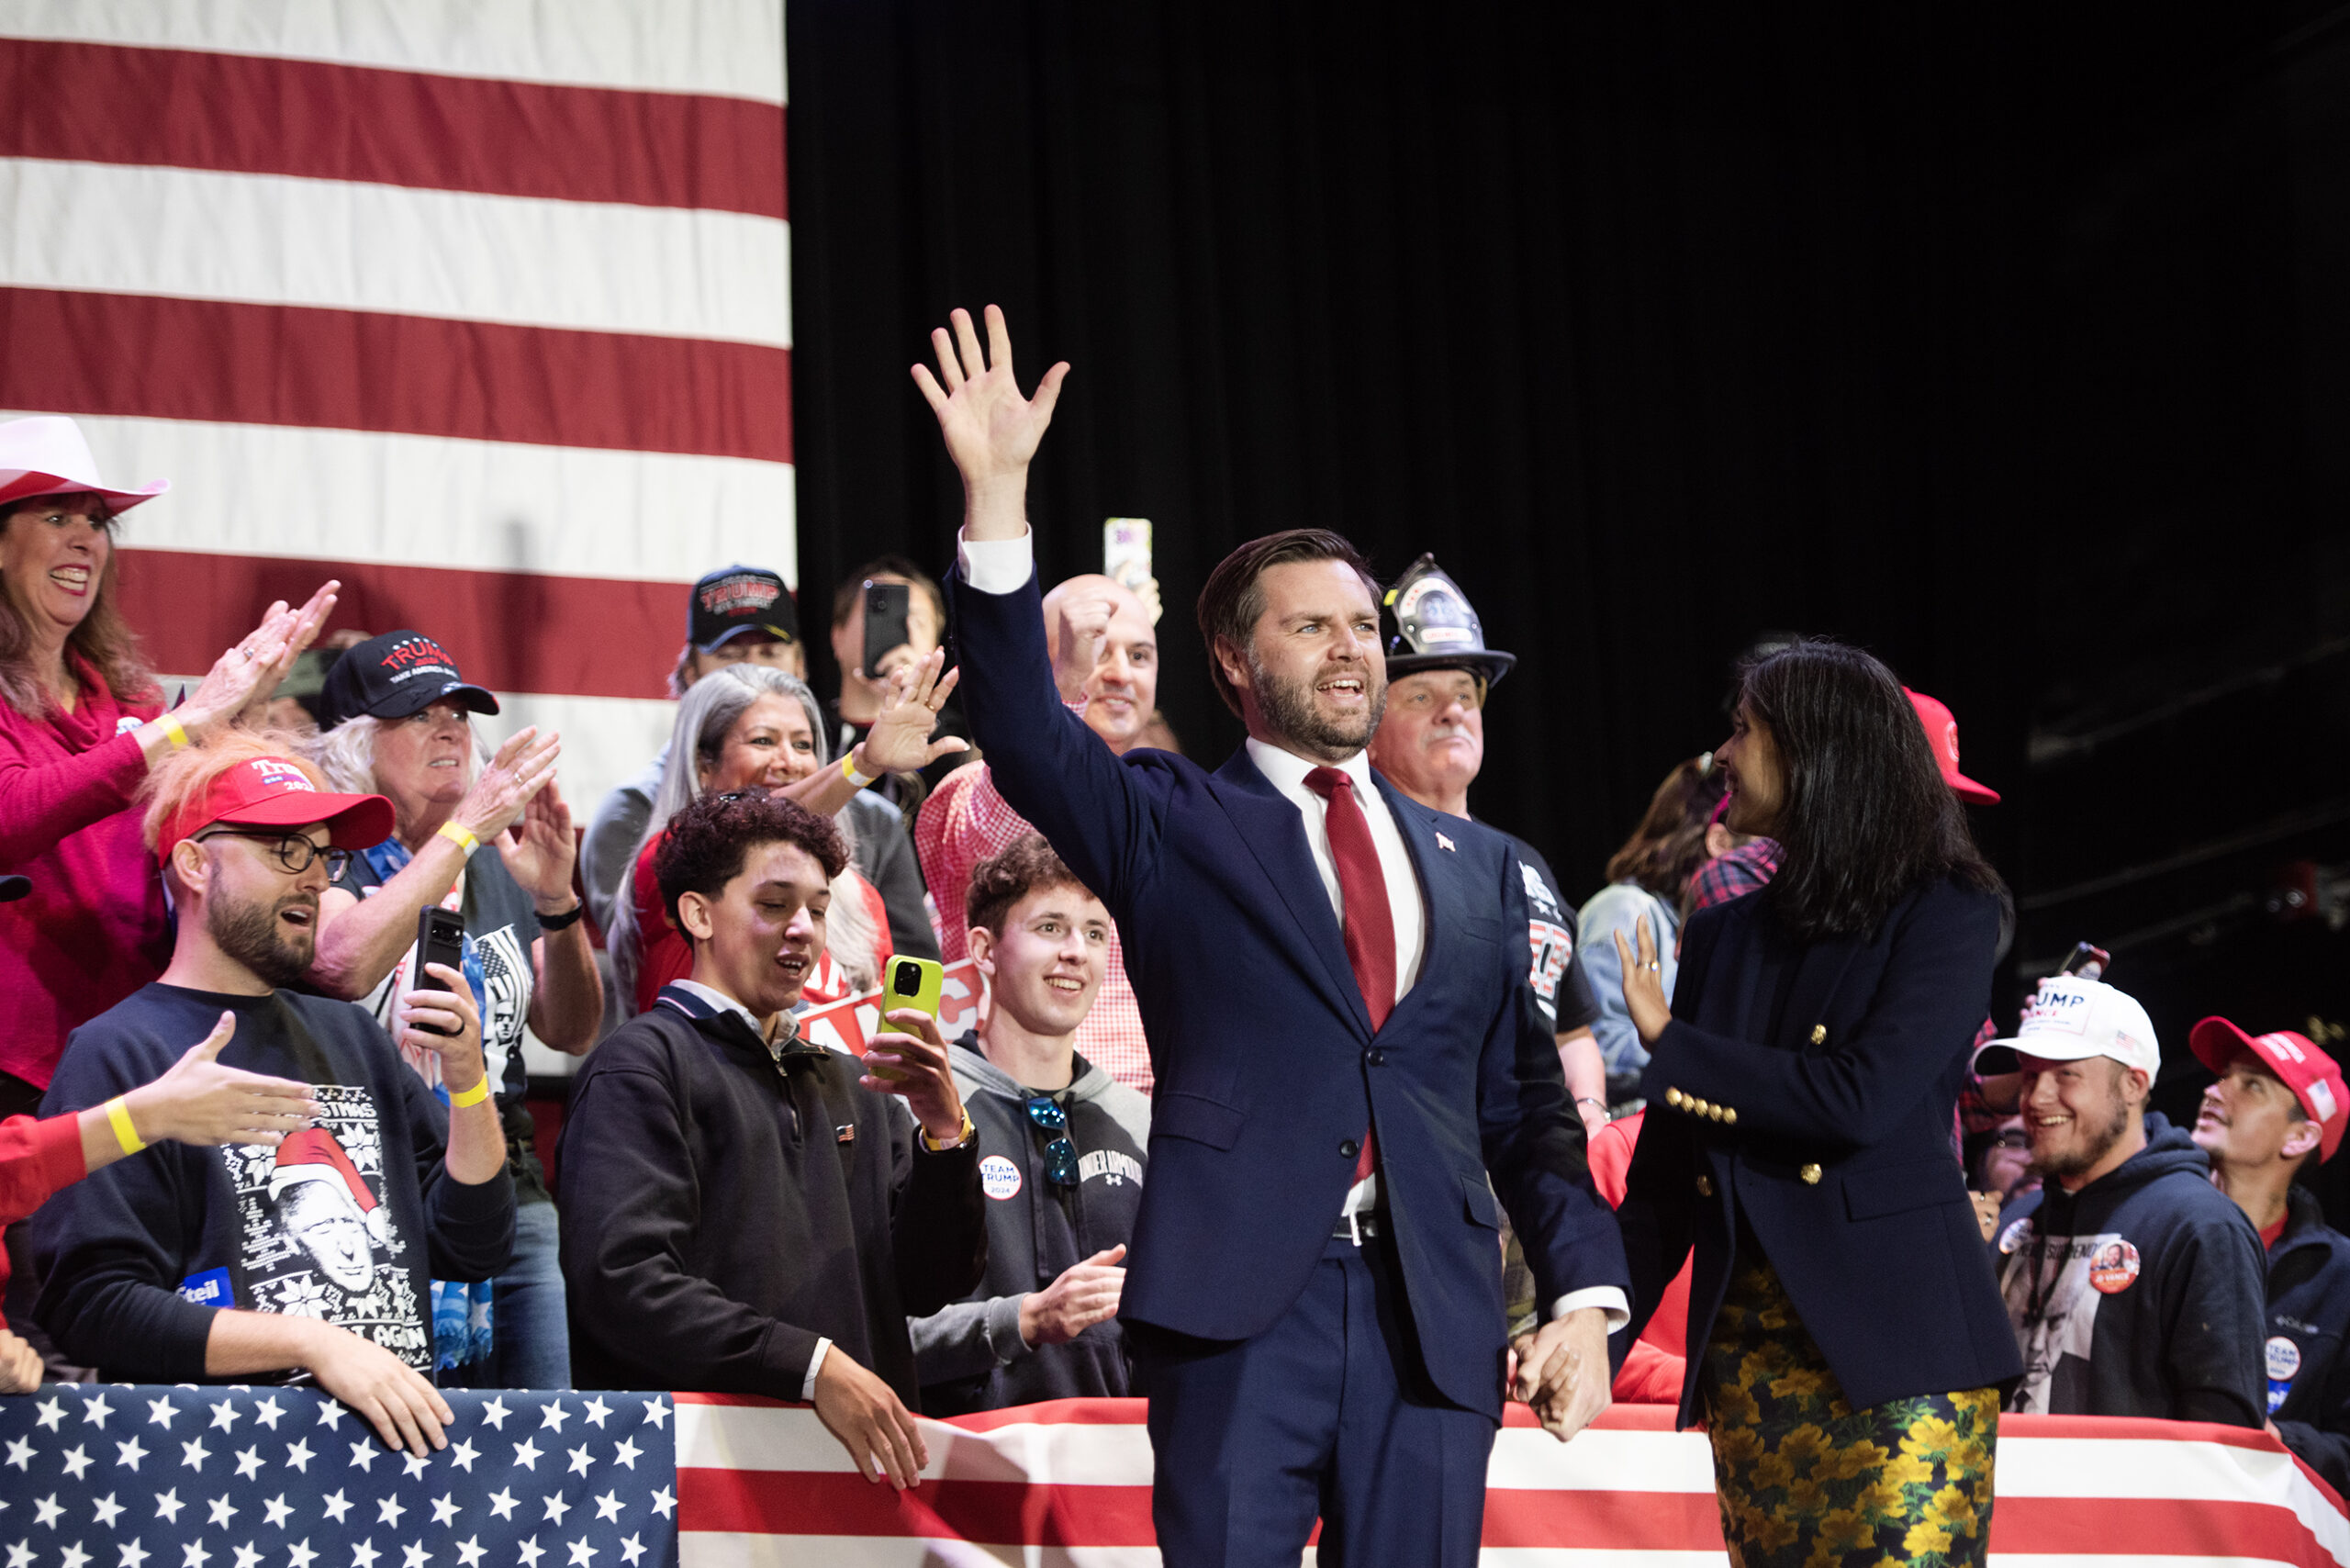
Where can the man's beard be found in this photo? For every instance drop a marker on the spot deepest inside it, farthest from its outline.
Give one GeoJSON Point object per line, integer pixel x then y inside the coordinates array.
{"type": "Point", "coordinates": [1288, 707]}
{"type": "Point", "coordinates": [254, 937]}
{"type": "Point", "coordinates": [2066, 1167]}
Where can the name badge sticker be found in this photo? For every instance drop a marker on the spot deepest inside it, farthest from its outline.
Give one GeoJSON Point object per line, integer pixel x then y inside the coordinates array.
{"type": "Point", "coordinates": [210, 1288]}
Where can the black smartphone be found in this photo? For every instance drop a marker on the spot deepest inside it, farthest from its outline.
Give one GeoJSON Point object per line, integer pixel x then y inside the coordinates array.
{"type": "Point", "coordinates": [440, 939]}
{"type": "Point", "coordinates": [2087, 961]}
{"type": "Point", "coordinates": [884, 623]}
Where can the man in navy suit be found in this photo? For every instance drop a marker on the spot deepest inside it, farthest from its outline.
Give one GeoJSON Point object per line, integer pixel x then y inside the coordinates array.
{"type": "Point", "coordinates": [1349, 1058]}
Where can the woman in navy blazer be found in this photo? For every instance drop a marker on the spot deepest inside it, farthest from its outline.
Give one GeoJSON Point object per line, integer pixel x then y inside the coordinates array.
{"type": "Point", "coordinates": [1846, 1336]}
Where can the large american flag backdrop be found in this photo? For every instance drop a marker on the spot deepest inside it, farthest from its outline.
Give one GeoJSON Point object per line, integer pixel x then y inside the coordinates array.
{"type": "Point", "coordinates": [120, 1477]}
{"type": "Point", "coordinates": [482, 306]}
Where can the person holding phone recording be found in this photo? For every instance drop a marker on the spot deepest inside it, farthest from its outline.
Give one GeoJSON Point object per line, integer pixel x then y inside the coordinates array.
{"type": "Point", "coordinates": [887, 615]}
{"type": "Point", "coordinates": [744, 1212]}
{"type": "Point", "coordinates": [310, 1255]}
{"type": "Point", "coordinates": [484, 836]}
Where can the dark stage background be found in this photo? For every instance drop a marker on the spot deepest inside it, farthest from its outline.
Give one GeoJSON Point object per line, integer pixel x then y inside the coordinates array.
{"type": "Point", "coordinates": [2019, 354]}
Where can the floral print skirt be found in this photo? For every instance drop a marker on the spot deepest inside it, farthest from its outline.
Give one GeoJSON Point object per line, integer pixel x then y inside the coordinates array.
{"type": "Point", "coordinates": [1805, 1481]}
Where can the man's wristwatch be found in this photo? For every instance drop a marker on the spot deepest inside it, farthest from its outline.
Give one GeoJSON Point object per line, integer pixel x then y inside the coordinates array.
{"type": "Point", "coordinates": [564, 921]}
{"type": "Point", "coordinates": [962, 1137]}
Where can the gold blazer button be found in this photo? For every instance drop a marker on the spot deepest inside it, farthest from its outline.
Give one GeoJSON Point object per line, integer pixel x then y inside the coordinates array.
{"type": "Point", "coordinates": [1705, 1185]}
{"type": "Point", "coordinates": [1820, 1033]}
{"type": "Point", "coordinates": [1810, 1174]}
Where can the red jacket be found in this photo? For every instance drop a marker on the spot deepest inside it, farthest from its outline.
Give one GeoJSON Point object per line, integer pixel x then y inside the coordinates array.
{"type": "Point", "coordinates": [1654, 1368]}
{"type": "Point", "coordinates": [35, 1159]}
{"type": "Point", "coordinates": [93, 929]}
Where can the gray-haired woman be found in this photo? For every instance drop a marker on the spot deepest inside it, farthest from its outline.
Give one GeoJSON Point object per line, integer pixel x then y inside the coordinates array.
{"type": "Point", "coordinates": [751, 726]}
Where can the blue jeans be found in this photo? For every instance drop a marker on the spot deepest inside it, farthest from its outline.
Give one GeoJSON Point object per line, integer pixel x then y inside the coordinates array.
{"type": "Point", "coordinates": [529, 1342]}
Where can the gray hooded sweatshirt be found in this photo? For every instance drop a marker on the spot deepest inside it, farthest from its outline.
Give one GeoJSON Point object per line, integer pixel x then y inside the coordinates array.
{"type": "Point", "coordinates": [969, 1356]}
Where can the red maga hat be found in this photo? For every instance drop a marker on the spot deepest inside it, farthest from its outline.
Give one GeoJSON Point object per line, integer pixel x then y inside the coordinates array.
{"type": "Point", "coordinates": [1942, 734]}
{"type": "Point", "coordinates": [272, 791]}
{"type": "Point", "coordinates": [2313, 1077]}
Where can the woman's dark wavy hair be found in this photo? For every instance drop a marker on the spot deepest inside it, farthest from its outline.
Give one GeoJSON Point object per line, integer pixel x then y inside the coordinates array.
{"type": "Point", "coordinates": [1864, 815]}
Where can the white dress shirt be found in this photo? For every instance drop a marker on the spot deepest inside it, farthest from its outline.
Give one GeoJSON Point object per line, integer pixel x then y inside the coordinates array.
{"type": "Point", "coordinates": [1003, 565]}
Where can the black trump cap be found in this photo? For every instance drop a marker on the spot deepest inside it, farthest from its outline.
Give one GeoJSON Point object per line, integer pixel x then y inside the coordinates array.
{"type": "Point", "coordinates": [734, 601]}
{"type": "Point", "coordinates": [393, 675]}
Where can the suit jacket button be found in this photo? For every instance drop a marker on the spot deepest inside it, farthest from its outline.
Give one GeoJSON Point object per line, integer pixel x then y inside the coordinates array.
{"type": "Point", "coordinates": [1820, 1033]}
{"type": "Point", "coordinates": [1378, 1058]}
{"type": "Point", "coordinates": [1810, 1174]}
{"type": "Point", "coordinates": [1705, 1185]}
{"type": "Point", "coordinates": [1349, 1149]}
{"type": "Point", "coordinates": [1673, 1097]}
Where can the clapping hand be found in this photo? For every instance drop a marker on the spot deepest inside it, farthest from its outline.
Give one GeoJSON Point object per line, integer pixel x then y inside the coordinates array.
{"type": "Point", "coordinates": [198, 1100]}
{"type": "Point", "coordinates": [1643, 984]}
{"type": "Point", "coordinates": [539, 849]}
{"type": "Point", "coordinates": [517, 771]}
{"type": "Point", "coordinates": [243, 679]}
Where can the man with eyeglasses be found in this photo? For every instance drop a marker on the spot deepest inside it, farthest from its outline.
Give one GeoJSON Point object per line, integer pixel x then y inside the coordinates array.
{"type": "Point", "coordinates": [1061, 1155]}
{"type": "Point", "coordinates": [250, 1262]}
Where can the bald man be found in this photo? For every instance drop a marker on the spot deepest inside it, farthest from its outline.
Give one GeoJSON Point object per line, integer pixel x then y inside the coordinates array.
{"type": "Point", "coordinates": [1105, 661]}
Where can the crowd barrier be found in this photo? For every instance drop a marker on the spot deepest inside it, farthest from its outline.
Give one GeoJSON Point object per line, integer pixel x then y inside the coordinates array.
{"type": "Point", "coordinates": [115, 1476]}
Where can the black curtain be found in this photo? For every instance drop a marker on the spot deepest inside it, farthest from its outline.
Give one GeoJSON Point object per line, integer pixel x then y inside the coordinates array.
{"type": "Point", "coordinates": [2013, 350]}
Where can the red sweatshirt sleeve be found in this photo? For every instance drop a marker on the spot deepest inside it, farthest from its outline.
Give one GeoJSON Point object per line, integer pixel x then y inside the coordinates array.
{"type": "Point", "coordinates": [35, 1159]}
{"type": "Point", "coordinates": [41, 799]}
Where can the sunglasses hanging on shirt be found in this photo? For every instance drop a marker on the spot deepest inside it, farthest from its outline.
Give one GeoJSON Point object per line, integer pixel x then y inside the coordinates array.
{"type": "Point", "coordinates": [1061, 1154]}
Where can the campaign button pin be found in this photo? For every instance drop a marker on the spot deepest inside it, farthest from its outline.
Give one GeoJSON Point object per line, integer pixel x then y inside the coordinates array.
{"type": "Point", "coordinates": [999, 1178]}
{"type": "Point", "coordinates": [2114, 1267]}
{"type": "Point", "coordinates": [2015, 1234]}
{"type": "Point", "coordinates": [2284, 1357]}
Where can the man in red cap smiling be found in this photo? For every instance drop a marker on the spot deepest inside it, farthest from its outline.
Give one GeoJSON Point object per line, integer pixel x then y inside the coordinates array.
{"type": "Point", "coordinates": [190, 1264]}
{"type": "Point", "coordinates": [2278, 1109]}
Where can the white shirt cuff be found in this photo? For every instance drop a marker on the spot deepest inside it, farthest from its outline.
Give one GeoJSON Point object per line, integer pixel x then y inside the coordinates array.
{"type": "Point", "coordinates": [998, 565]}
{"type": "Point", "coordinates": [1607, 1298]}
{"type": "Point", "coordinates": [816, 1363]}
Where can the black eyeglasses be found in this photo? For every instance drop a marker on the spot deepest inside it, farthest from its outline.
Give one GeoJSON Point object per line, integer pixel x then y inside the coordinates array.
{"type": "Point", "coordinates": [294, 851]}
{"type": "Point", "coordinates": [1061, 1154]}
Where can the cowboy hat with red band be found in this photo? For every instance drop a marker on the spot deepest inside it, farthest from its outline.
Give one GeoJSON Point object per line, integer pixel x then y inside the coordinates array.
{"type": "Point", "coordinates": [273, 792]}
{"type": "Point", "coordinates": [2313, 1077]}
{"type": "Point", "coordinates": [46, 456]}
{"type": "Point", "coordinates": [1942, 734]}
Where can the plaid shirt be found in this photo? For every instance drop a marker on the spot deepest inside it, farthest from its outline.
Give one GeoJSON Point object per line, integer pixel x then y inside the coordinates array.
{"type": "Point", "coordinates": [1733, 875]}
{"type": "Point", "coordinates": [963, 822]}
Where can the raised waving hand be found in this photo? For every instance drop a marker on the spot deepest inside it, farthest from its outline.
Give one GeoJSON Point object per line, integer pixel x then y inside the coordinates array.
{"type": "Point", "coordinates": [991, 430]}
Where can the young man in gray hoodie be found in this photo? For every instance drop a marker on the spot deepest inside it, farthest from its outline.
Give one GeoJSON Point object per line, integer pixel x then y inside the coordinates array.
{"type": "Point", "coordinates": [1061, 1154]}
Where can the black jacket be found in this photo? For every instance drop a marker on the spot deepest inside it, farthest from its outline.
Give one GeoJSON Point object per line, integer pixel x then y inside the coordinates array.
{"type": "Point", "coordinates": [721, 1214]}
{"type": "Point", "coordinates": [2309, 1314]}
{"type": "Point", "coordinates": [970, 1354]}
{"type": "Point", "coordinates": [2138, 1295]}
{"type": "Point", "coordinates": [1804, 1094]}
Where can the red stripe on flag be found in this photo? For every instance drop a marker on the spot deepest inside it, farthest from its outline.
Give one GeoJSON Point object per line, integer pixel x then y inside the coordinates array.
{"type": "Point", "coordinates": [509, 631]}
{"type": "Point", "coordinates": [2128, 1528]}
{"type": "Point", "coordinates": [240, 114]}
{"type": "Point", "coordinates": [281, 365]}
{"type": "Point", "coordinates": [998, 1513]}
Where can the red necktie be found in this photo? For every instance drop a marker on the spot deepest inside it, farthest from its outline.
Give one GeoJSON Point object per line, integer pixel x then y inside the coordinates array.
{"type": "Point", "coordinates": [1369, 923]}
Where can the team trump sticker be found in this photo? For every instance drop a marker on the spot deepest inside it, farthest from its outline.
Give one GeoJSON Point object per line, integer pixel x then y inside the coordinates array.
{"type": "Point", "coordinates": [999, 1178]}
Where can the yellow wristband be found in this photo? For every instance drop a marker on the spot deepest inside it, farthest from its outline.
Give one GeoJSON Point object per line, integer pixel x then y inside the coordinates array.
{"type": "Point", "coordinates": [125, 1134]}
{"type": "Point", "coordinates": [461, 838]}
{"type": "Point", "coordinates": [849, 772]}
{"type": "Point", "coordinates": [173, 733]}
{"type": "Point", "coordinates": [962, 1136]}
{"type": "Point", "coordinates": [474, 1096]}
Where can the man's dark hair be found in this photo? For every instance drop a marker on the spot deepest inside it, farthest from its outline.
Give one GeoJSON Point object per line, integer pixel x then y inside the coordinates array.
{"type": "Point", "coordinates": [1669, 845]}
{"type": "Point", "coordinates": [1235, 596]}
{"type": "Point", "coordinates": [1003, 879]}
{"type": "Point", "coordinates": [1865, 816]}
{"type": "Point", "coordinates": [844, 596]}
{"type": "Point", "coordinates": [704, 846]}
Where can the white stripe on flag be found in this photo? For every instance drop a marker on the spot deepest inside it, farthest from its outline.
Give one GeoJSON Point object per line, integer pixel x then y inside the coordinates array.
{"type": "Point", "coordinates": [439, 501]}
{"type": "Point", "coordinates": [730, 48]}
{"type": "Point", "coordinates": [345, 246]}
{"type": "Point", "coordinates": [2151, 1468]}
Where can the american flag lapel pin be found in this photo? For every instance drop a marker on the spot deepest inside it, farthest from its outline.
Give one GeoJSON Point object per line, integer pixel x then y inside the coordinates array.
{"type": "Point", "coordinates": [1444, 843]}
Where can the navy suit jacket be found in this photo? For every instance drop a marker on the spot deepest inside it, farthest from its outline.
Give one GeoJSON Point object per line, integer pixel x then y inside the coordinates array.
{"type": "Point", "coordinates": [1840, 1157]}
{"type": "Point", "coordinates": [1268, 1068]}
